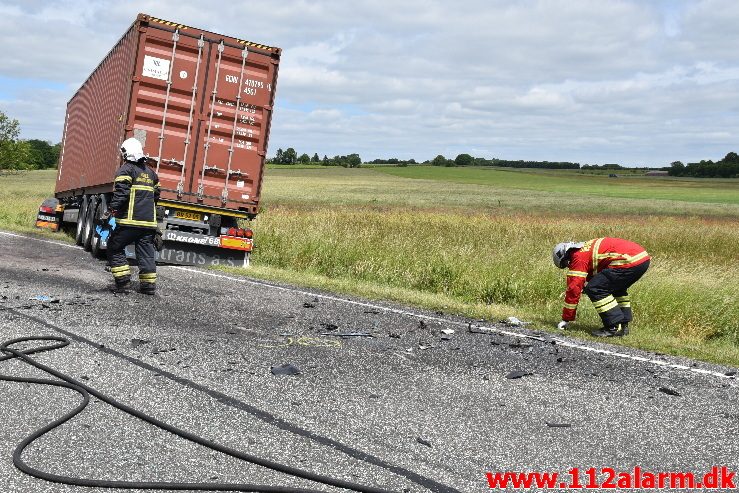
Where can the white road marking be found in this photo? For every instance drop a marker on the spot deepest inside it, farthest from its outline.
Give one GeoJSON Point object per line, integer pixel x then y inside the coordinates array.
{"type": "Point", "coordinates": [494, 330]}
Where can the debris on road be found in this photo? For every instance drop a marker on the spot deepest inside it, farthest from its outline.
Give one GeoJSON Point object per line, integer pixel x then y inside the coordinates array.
{"type": "Point", "coordinates": [285, 369]}
{"type": "Point", "coordinates": [447, 331]}
{"type": "Point", "coordinates": [373, 311]}
{"type": "Point", "coordinates": [139, 342]}
{"type": "Point", "coordinates": [329, 326]}
{"type": "Point", "coordinates": [347, 334]}
{"type": "Point", "coordinates": [513, 321]}
{"type": "Point", "coordinates": [669, 391]}
{"type": "Point", "coordinates": [44, 298]}
{"type": "Point", "coordinates": [730, 373]}
{"type": "Point", "coordinates": [394, 335]}
{"type": "Point", "coordinates": [423, 442]}
{"type": "Point", "coordinates": [518, 374]}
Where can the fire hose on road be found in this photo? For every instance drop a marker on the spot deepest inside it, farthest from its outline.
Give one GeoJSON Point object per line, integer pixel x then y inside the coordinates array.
{"type": "Point", "coordinates": [65, 381]}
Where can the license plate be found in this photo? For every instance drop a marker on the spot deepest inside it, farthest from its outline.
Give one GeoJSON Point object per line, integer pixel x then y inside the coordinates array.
{"type": "Point", "coordinates": [192, 216]}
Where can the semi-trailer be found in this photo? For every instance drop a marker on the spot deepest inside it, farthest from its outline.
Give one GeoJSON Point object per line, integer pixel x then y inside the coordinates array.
{"type": "Point", "coordinates": [201, 105]}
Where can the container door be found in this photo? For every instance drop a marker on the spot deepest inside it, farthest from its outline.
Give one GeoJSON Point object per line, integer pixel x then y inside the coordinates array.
{"type": "Point", "coordinates": [166, 103]}
{"type": "Point", "coordinates": [233, 136]}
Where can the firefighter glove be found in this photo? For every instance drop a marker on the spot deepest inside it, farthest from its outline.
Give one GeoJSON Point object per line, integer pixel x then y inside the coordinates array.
{"type": "Point", "coordinates": [562, 325]}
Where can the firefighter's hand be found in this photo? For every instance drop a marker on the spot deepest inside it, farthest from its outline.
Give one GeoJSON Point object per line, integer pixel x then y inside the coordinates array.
{"type": "Point", "coordinates": [106, 215]}
{"type": "Point", "coordinates": [562, 325]}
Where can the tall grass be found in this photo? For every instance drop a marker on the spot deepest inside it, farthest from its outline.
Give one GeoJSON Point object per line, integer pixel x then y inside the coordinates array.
{"type": "Point", "coordinates": [504, 261]}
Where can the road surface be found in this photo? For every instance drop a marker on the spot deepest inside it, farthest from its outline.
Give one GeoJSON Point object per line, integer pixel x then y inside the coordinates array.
{"type": "Point", "coordinates": [409, 409]}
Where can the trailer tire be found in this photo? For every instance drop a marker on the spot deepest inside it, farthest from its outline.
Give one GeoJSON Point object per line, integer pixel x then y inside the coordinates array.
{"type": "Point", "coordinates": [95, 243]}
{"type": "Point", "coordinates": [89, 227]}
{"type": "Point", "coordinates": [78, 237]}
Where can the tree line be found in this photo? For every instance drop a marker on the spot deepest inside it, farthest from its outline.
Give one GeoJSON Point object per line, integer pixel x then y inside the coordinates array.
{"type": "Point", "coordinates": [17, 154]}
{"type": "Point", "coordinates": [468, 160]}
{"type": "Point", "coordinates": [290, 156]}
{"type": "Point", "coordinates": [728, 167]}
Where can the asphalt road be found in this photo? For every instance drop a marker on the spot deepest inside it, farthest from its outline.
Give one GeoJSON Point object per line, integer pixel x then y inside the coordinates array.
{"type": "Point", "coordinates": [408, 409]}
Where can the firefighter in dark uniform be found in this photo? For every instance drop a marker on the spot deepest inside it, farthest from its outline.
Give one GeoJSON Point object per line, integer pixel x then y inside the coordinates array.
{"type": "Point", "coordinates": [134, 207]}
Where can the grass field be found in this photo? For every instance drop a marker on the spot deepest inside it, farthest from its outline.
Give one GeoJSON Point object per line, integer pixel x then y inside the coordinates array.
{"type": "Point", "coordinates": [478, 242]}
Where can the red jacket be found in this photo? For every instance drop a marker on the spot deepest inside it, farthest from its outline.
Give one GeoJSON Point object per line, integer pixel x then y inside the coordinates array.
{"type": "Point", "coordinates": [595, 256]}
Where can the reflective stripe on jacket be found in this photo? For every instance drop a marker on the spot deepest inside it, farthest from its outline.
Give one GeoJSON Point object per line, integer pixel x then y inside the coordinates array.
{"type": "Point", "coordinates": [135, 195]}
{"type": "Point", "coordinates": [595, 256]}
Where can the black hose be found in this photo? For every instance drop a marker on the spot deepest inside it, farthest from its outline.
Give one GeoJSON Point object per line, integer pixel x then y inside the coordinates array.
{"type": "Point", "coordinates": [68, 382]}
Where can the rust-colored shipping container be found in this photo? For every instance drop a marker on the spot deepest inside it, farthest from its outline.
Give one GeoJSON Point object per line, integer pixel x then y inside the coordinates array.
{"type": "Point", "coordinates": [200, 103]}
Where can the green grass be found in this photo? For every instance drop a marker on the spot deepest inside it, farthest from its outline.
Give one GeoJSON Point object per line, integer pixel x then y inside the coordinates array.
{"type": "Point", "coordinates": [631, 187]}
{"type": "Point", "coordinates": [483, 249]}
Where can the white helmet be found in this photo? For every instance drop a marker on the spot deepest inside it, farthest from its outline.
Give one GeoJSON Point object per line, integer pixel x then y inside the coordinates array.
{"type": "Point", "coordinates": [559, 254]}
{"type": "Point", "coordinates": [131, 150]}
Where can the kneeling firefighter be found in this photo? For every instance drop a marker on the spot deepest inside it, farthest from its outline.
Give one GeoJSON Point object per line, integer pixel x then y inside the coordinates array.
{"type": "Point", "coordinates": [134, 207]}
{"type": "Point", "coordinates": [603, 268]}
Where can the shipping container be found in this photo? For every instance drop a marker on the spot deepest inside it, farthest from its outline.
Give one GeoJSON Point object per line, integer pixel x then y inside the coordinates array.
{"type": "Point", "coordinates": [201, 105]}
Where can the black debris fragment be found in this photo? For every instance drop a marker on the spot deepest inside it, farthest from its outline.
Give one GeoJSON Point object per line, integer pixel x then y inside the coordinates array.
{"type": "Point", "coordinates": [285, 369]}
{"type": "Point", "coordinates": [373, 311]}
{"type": "Point", "coordinates": [423, 442]}
{"type": "Point", "coordinates": [440, 313]}
{"type": "Point", "coordinates": [518, 374]}
{"type": "Point", "coordinates": [558, 425]}
{"type": "Point", "coordinates": [329, 326]}
{"type": "Point", "coordinates": [422, 325]}
{"type": "Point", "coordinates": [394, 335]}
{"type": "Point", "coordinates": [669, 391]}
{"type": "Point", "coordinates": [730, 373]}
{"type": "Point", "coordinates": [308, 304]}
{"type": "Point", "coordinates": [139, 342]}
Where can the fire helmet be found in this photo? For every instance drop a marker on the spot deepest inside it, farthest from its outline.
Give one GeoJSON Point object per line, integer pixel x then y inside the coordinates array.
{"type": "Point", "coordinates": [131, 150]}
{"type": "Point", "coordinates": [559, 254]}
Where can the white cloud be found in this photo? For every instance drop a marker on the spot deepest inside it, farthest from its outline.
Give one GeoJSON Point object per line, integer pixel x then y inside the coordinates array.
{"type": "Point", "coordinates": [618, 81]}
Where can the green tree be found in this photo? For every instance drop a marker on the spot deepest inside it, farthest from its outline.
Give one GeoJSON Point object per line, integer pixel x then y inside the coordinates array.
{"type": "Point", "coordinates": [14, 153]}
{"type": "Point", "coordinates": [289, 156]}
{"type": "Point", "coordinates": [43, 155]}
{"type": "Point", "coordinates": [353, 160]}
{"type": "Point", "coordinates": [677, 168]}
{"type": "Point", "coordinates": [464, 160]}
{"type": "Point", "coordinates": [439, 161]}
{"type": "Point", "coordinates": [315, 158]}
{"type": "Point", "coordinates": [304, 159]}
{"type": "Point", "coordinates": [278, 157]}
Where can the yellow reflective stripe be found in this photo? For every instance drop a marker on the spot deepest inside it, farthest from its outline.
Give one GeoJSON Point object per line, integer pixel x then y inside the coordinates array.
{"type": "Point", "coordinates": [131, 222]}
{"type": "Point", "coordinates": [142, 187]}
{"type": "Point", "coordinates": [120, 269]}
{"type": "Point", "coordinates": [607, 303]}
{"type": "Point", "coordinates": [607, 299]}
{"type": "Point", "coordinates": [148, 276]}
{"type": "Point", "coordinates": [571, 306]}
{"type": "Point", "coordinates": [629, 260]}
{"type": "Point", "coordinates": [121, 274]}
{"type": "Point", "coordinates": [122, 178]}
{"type": "Point", "coordinates": [596, 248]}
{"type": "Point", "coordinates": [577, 273]}
{"type": "Point", "coordinates": [623, 298]}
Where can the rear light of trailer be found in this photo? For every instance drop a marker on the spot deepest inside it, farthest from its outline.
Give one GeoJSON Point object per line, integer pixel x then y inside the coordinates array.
{"type": "Point", "coordinates": [239, 232]}
{"type": "Point", "coordinates": [47, 210]}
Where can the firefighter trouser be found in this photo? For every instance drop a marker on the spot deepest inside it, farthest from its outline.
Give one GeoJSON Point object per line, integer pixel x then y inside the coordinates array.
{"type": "Point", "coordinates": [143, 239]}
{"type": "Point", "coordinates": [608, 292]}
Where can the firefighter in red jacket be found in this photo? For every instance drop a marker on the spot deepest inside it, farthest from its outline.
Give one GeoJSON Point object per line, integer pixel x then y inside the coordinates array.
{"type": "Point", "coordinates": [603, 268]}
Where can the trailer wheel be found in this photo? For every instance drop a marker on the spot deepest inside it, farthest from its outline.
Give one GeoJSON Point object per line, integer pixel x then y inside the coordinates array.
{"type": "Point", "coordinates": [78, 237]}
{"type": "Point", "coordinates": [89, 227]}
{"type": "Point", "coordinates": [95, 243]}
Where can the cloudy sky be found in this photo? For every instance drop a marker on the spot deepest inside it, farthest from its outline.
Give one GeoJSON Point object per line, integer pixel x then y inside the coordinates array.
{"type": "Point", "coordinates": [631, 82]}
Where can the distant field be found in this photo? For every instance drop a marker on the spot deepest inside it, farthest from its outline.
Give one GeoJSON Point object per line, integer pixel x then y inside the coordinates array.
{"type": "Point", "coordinates": [478, 242]}
{"type": "Point", "coordinates": [632, 187]}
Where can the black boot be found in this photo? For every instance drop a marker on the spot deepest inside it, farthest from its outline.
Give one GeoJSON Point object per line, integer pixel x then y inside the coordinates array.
{"type": "Point", "coordinates": [147, 288]}
{"type": "Point", "coordinates": [614, 330]}
{"type": "Point", "coordinates": [121, 287]}
{"type": "Point", "coordinates": [624, 329]}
